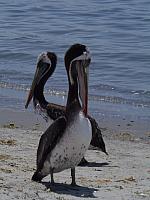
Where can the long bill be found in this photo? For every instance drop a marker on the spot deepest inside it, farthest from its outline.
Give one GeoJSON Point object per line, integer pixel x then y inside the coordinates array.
{"type": "Point", "coordinates": [36, 79]}
{"type": "Point", "coordinates": [83, 73]}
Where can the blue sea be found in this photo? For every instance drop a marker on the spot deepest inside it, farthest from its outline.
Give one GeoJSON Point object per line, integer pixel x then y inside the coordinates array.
{"type": "Point", "coordinates": [117, 33]}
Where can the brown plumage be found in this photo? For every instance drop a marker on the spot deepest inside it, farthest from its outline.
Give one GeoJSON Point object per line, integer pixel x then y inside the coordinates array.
{"type": "Point", "coordinates": [47, 64]}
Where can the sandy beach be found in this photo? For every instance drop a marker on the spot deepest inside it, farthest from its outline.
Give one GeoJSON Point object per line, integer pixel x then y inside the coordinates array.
{"type": "Point", "coordinates": [123, 175]}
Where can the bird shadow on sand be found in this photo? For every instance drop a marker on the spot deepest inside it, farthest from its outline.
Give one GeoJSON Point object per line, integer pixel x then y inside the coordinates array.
{"type": "Point", "coordinates": [77, 191]}
{"type": "Point", "coordinates": [94, 164]}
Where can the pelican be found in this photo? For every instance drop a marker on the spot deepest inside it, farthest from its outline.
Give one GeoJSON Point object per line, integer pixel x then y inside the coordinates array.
{"type": "Point", "coordinates": [65, 142]}
{"type": "Point", "coordinates": [46, 64]}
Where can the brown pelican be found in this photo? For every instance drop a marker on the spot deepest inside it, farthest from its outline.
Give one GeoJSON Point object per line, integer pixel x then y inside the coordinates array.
{"type": "Point", "coordinates": [65, 142]}
{"type": "Point", "coordinates": [46, 65]}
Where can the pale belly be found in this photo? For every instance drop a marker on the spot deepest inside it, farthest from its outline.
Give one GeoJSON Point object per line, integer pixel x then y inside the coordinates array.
{"type": "Point", "coordinates": [71, 147]}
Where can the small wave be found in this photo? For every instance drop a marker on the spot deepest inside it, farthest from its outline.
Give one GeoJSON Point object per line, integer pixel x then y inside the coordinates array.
{"type": "Point", "coordinates": [100, 98]}
{"type": "Point", "coordinates": [14, 55]}
{"type": "Point", "coordinates": [120, 100]}
{"type": "Point", "coordinates": [13, 86]}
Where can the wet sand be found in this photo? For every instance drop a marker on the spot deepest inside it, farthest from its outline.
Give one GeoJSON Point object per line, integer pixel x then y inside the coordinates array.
{"type": "Point", "coordinates": [124, 174]}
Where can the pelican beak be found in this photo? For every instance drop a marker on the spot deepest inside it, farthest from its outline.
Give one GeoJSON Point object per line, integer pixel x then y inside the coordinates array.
{"type": "Point", "coordinates": [83, 73]}
{"type": "Point", "coordinates": [36, 79]}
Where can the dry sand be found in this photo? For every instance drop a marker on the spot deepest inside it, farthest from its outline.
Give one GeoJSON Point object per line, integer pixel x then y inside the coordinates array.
{"type": "Point", "coordinates": [123, 175]}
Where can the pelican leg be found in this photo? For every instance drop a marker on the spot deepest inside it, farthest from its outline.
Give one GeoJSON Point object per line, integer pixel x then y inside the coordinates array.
{"type": "Point", "coordinates": [73, 183]}
{"type": "Point", "coordinates": [52, 177]}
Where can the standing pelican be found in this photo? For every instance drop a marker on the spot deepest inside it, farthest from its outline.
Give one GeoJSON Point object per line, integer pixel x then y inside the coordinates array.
{"type": "Point", "coordinates": [46, 65]}
{"type": "Point", "coordinates": [65, 142]}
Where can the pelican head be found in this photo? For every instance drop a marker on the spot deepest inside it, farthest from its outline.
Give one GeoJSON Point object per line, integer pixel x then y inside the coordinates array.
{"type": "Point", "coordinates": [46, 64]}
{"type": "Point", "coordinates": [77, 60]}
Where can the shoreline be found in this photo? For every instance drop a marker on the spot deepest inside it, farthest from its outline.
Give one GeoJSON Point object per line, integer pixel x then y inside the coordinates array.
{"type": "Point", "coordinates": [112, 127]}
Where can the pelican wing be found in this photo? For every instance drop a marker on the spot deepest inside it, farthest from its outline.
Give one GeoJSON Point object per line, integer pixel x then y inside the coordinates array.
{"type": "Point", "coordinates": [97, 138]}
{"type": "Point", "coordinates": [49, 140]}
{"type": "Point", "coordinates": [54, 111]}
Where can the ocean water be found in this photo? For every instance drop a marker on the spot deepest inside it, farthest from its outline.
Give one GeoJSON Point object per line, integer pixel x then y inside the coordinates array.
{"type": "Point", "coordinates": [117, 33]}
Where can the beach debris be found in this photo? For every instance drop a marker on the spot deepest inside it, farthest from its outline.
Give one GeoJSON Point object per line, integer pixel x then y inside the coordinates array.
{"type": "Point", "coordinates": [4, 157]}
{"type": "Point", "coordinates": [48, 189]}
{"type": "Point", "coordinates": [6, 170]}
{"type": "Point", "coordinates": [95, 181]}
{"type": "Point", "coordinates": [125, 136]}
{"type": "Point", "coordinates": [145, 193]}
{"type": "Point", "coordinates": [147, 134]}
{"type": "Point", "coordinates": [127, 179]}
{"type": "Point", "coordinates": [103, 181]}
{"type": "Point", "coordinates": [10, 125]}
{"type": "Point", "coordinates": [9, 142]}
{"type": "Point", "coordinates": [119, 187]}
{"type": "Point", "coordinates": [129, 124]}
